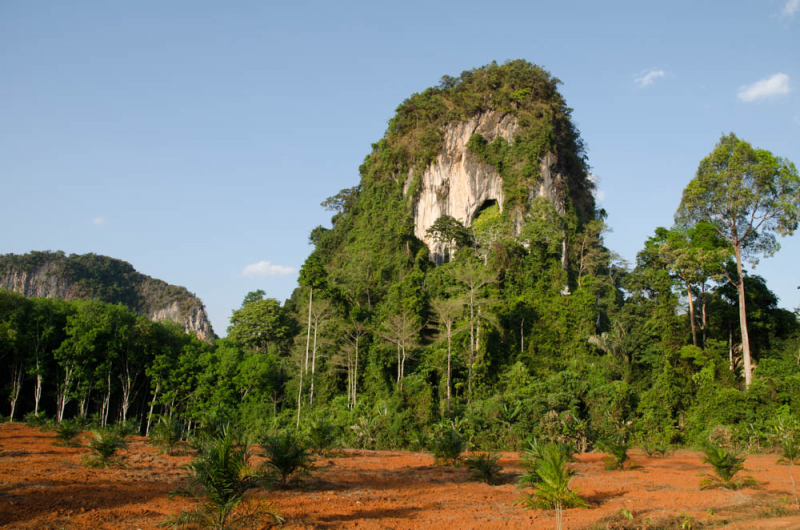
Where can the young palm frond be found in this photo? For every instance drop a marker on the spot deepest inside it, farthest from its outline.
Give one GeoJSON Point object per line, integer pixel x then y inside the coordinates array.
{"type": "Point", "coordinates": [105, 445]}
{"type": "Point", "coordinates": [447, 445]}
{"type": "Point", "coordinates": [619, 453]}
{"type": "Point", "coordinates": [726, 466]}
{"type": "Point", "coordinates": [790, 452]}
{"type": "Point", "coordinates": [323, 435]}
{"type": "Point", "coordinates": [484, 467]}
{"type": "Point", "coordinates": [552, 491]}
{"type": "Point", "coordinates": [217, 480]}
{"type": "Point", "coordinates": [67, 432]}
{"type": "Point", "coordinates": [530, 456]}
{"type": "Point", "coordinates": [167, 434]}
{"type": "Point", "coordinates": [286, 455]}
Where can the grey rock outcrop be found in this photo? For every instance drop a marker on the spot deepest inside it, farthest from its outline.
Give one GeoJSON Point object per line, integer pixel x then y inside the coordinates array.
{"type": "Point", "coordinates": [55, 275]}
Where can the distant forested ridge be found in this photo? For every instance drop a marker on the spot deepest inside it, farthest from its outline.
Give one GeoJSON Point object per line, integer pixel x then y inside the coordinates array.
{"type": "Point", "coordinates": [95, 277]}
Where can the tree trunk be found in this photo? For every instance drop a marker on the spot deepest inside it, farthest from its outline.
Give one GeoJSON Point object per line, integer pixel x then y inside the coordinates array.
{"type": "Point", "coordinates": [748, 367]}
{"type": "Point", "coordinates": [691, 313]}
{"type": "Point", "coordinates": [63, 393]}
{"type": "Point", "coordinates": [37, 392]}
{"type": "Point", "coordinates": [449, 350]}
{"type": "Point", "coordinates": [150, 414]}
{"type": "Point", "coordinates": [305, 368]}
{"type": "Point", "coordinates": [471, 342]}
{"type": "Point", "coordinates": [355, 376]}
{"type": "Point", "coordinates": [16, 385]}
{"type": "Point", "coordinates": [313, 365]}
{"type": "Point", "coordinates": [704, 323]}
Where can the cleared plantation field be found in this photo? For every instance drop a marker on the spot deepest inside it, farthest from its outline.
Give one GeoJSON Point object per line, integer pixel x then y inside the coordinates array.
{"type": "Point", "coordinates": [46, 486]}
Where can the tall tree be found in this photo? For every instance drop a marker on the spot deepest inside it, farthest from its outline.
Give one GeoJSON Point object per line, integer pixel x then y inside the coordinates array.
{"type": "Point", "coordinates": [402, 330]}
{"type": "Point", "coordinates": [447, 314]}
{"type": "Point", "coordinates": [312, 276]}
{"type": "Point", "coordinates": [473, 277]}
{"type": "Point", "coordinates": [748, 195]}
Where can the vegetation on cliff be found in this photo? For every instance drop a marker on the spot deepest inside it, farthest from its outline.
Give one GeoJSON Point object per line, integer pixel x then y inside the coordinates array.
{"type": "Point", "coordinates": [532, 328]}
{"type": "Point", "coordinates": [95, 277]}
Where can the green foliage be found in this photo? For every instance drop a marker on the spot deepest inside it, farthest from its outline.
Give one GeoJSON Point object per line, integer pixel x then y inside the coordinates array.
{"type": "Point", "coordinates": [167, 434]}
{"type": "Point", "coordinates": [552, 487]}
{"type": "Point", "coordinates": [286, 456]}
{"type": "Point", "coordinates": [322, 435]}
{"type": "Point", "coordinates": [726, 465]}
{"type": "Point", "coordinates": [105, 446]}
{"type": "Point", "coordinates": [484, 467]}
{"type": "Point", "coordinates": [66, 433]}
{"type": "Point", "coordinates": [447, 445]}
{"type": "Point", "coordinates": [619, 453]}
{"type": "Point", "coordinates": [217, 480]}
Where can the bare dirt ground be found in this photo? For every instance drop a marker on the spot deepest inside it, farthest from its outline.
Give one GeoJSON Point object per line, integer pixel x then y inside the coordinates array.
{"type": "Point", "coordinates": [46, 486]}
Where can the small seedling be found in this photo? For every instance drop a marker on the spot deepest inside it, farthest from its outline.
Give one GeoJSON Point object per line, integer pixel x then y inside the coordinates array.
{"type": "Point", "coordinates": [447, 445]}
{"type": "Point", "coordinates": [67, 433]}
{"type": "Point", "coordinates": [619, 453]}
{"type": "Point", "coordinates": [484, 467]}
{"type": "Point", "coordinates": [105, 446]}
{"type": "Point", "coordinates": [552, 490]}
{"type": "Point", "coordinates": [322, 435]}
{"type": "Point", "coordinates": [285, 456]}
{"type": "Point", "coordinates": [727, 466]}
{"type": "Point", "coordinates": [167, 434]}
{"type": "Point", "coordinates": [217, 480]}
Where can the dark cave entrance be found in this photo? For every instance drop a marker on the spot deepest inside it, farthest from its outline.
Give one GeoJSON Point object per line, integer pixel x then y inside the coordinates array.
{"type": "Point", "coordinates": [488, 203]}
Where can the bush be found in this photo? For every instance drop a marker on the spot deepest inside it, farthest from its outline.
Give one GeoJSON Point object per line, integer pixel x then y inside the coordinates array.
{"type": "Point", "coordinates": [552, 489]}
{"type": "Point", "coordinates": [104, 446]}
{"type": "Point", "coordinates": [217, 480]}
{"type": "Point", "coordinates": [166, 435]}
{"type": "Point", "coordinates": [726, 466]}
{"type": "Point", "coordinates": [530, 456]}
{"type": "Point", "coordinates": [619, 453]}
{"type": "Point", "coordinates": [286, 455]}
{"type": "Point", "coordinates": [41, 420]}
{"type": "Point", "coordinates": [322, 435]}
{"type": "Point", "coordinates": [447, 445]}
{"type": "Point", "coordinates": [67, 432]}
{"type": "Point", "coordinates": [484, 467]}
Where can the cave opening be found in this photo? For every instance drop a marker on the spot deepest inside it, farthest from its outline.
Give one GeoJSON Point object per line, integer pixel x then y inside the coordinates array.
{"type": "Point", "coordinates": [488, 203]}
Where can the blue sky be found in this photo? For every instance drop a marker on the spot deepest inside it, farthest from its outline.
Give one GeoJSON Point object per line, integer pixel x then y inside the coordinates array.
{"type": "Point", "coordinates": [193, 139]}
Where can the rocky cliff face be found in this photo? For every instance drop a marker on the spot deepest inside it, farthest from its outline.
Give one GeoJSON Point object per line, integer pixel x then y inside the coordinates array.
{"type": "Point", "coordinates": [459, 184]}
{"type": "Point", "coordinates": [55, 275]}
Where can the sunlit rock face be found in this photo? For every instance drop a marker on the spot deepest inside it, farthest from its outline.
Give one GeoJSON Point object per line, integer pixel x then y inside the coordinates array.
{"type": "Point", "coordinates": [459, 184]}
{"type": "Point", "coordinates": [45, 279]}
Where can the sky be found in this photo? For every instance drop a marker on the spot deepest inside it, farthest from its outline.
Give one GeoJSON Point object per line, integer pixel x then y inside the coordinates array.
{"type": "Point", "coordinates": [196, 140]}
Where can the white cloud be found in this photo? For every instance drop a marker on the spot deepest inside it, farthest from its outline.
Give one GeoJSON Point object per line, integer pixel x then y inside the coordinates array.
{"type": "Point", "coordinates": [790, 8]}
{"type": "Point", "coordinates": [265, 268]}
{"type": "Point", "coordinates": [775, 85]}
{"type": "Point", "coordinates": [649, 77]}
{"type": "Point", "coordinates": [99, 221]}
{"type": "Point", "coordinates": [599, 195]}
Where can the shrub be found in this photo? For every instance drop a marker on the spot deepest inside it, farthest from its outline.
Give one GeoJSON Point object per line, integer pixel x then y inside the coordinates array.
{"type": "Point", "coordinates": [530, 456]}
{"type": "Point", "coordinates": [790, 452]}
{"type": "Point", "coordinates": [37, 420]}
{"type": "Point", "coordinates": [447, 445]}
{"type": "Point", "coordinates": [67, 432]}
{"type": "Point", "coordinates": [104, 446]}
{"type": "Point", "coordinates": [217, 480]}
{"type": "Point", "coordinates": [166, 435]}
{"type": "Point", "coordinates": [656, 446]}
{"type": "Point", "coordinates": [619, 453]}
{"type": "Point", "coordinates": [286, 455]}
{"type": "Point", "coordinates": [322, 435]}
{"type": "Point", "coordinates": [484, 467]}
{"type": "Point", "coordinates": [552, 490]}
{"type": "Point", "coordinates": [726, 466]}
